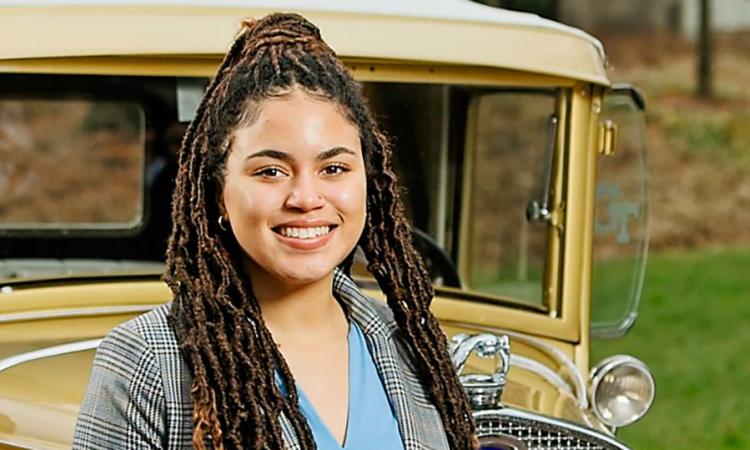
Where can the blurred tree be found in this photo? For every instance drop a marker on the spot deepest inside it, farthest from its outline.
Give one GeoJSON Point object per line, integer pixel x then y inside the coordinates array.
{"type": "Point", "coordinates": [705, 51]}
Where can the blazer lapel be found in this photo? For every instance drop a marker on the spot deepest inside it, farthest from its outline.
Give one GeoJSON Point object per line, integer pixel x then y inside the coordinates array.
{"type": "Point", "coordinates": [382, 346]}
{"type": "Point", "coordinates": [287, 431]}
{"type": "Point", "coordinates": [384, 355]}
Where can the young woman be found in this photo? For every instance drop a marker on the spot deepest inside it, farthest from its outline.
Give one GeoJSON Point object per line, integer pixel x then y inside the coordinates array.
{"type": "Point", "coordinates": [268, 343]}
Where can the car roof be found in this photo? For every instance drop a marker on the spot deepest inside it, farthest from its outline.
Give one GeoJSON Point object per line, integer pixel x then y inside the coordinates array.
{"type": "Point", "coordinates": [454, 32]}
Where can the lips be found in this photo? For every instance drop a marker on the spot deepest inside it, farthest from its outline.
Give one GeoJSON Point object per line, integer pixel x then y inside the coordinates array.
{"type": "Point", "coordinates": [307, 235]}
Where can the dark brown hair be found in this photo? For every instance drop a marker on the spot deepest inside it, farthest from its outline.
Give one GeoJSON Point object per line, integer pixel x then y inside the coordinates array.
{"type": "Point", "coordinates": [217, 321]}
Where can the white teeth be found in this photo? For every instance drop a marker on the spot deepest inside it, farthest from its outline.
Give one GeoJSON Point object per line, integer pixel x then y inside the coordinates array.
{"type": "Point", "coordinates": [304, 233]}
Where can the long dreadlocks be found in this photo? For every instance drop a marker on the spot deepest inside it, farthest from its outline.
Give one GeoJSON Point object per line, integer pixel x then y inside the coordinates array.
{"type": "Point", "coordinates": [217, 320]}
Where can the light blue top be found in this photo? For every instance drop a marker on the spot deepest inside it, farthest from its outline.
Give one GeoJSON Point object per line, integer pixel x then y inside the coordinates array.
{"type": "Point", "coordinates": [372, 422]}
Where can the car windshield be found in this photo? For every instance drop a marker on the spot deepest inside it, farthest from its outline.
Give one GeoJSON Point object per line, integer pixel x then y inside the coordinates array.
{"type": "Point", "coordinates": [87, 164]}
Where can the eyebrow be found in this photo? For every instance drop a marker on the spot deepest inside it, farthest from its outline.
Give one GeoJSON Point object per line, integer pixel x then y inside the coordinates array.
{"type": "Point", "coordinates": [283, 156]}
{"type": "Point", "coordinates": [268, 153]}
{"type": "Point", "coordinates": [332, 153]}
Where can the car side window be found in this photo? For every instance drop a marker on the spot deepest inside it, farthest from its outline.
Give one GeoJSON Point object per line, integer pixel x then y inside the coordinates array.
{"type": "Point", "coordinates": [505, 253]}
{"type": "Point", "coordinates": [71, 163]}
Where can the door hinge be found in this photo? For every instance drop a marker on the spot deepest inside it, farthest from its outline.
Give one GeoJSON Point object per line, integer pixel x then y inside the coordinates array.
{"type": "Point", "coordinates": [607, 137]}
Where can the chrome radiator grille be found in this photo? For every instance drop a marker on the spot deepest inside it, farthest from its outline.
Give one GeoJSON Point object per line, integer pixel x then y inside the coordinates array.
{"type": "Point", "coordinates": [533, 432]}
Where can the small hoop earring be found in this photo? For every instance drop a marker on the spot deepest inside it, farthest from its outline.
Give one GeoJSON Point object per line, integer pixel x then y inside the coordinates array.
{"type": "Point", "coordinates": [221, 223]}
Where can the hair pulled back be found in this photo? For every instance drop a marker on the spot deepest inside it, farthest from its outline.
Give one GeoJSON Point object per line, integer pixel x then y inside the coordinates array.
{"type": "Point", "coordinates": [218, 323]}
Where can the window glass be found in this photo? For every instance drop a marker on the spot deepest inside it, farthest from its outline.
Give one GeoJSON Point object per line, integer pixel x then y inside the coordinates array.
{"type": "Point", "coordinates": [71, 163]}
{"type": "Point", "coordinates": [621, 221]}
{"type": "Point", "coordinates": [425, 124]}
{"type": "Point", "coordinates": [506, 251]}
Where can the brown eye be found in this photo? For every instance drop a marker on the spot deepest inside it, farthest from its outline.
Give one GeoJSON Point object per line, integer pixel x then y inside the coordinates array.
{"type": "Point", "coordinates": [270, 172]}
{"type": "Point", "coordinates": [335, 169]}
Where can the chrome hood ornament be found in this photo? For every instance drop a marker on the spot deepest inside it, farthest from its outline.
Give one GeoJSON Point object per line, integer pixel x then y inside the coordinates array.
{"type": "Point", "coordinates": [507, 428]}
{"type": "Point", "coordinates": [484, 391]}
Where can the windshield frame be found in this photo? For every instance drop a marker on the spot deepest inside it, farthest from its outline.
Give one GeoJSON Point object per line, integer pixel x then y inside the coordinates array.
{"type": "Point", "coordinates": [562, 318]}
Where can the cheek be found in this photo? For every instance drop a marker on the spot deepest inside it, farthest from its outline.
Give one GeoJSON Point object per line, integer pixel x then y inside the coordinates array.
{"type": "Point", "coordinates": [352, 201]}
{"type": "Point", "coordinates": [246, 203]}
{"type": "Point", "coordinates": [237, 201]}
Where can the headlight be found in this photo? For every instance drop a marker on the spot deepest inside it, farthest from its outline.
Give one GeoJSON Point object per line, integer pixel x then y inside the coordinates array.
{"type": "Point", "coordinates": [621, 390]}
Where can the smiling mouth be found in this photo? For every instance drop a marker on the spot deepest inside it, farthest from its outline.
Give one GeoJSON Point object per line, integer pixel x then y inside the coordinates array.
{"type": "Point", "coordinates": [304, 232]}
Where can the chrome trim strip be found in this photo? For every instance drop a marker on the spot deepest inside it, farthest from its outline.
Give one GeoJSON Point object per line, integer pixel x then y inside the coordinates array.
{"type": "Point", "coordinates": [556, 354]}
{"type": "Point", "coordinates": [48, 352]}
{"type": "Point", "coordinates": [22, 271]}
{"type": "Point", "coordinates": [560, 356]}
{"type": "Point", "coordinates": [78, 312]}
{"type": "Point", "coordinates": [542, 370]}
{"type": "Point", "coordinates": [516, 413]}
{"type": "Point", "coordinates": [17, 446]}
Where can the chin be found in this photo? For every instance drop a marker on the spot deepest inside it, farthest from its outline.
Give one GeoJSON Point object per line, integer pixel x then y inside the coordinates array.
{"type": "Point", "coordinates": [295, 268]}
{"type": "Point", "coordinates": [305, 273]}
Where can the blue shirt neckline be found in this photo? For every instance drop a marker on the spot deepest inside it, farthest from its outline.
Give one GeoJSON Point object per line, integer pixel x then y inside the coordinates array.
{"type": "Point", "coordinates": [371, 421]}
{"type": "Point", "coordinates": [319, 428]}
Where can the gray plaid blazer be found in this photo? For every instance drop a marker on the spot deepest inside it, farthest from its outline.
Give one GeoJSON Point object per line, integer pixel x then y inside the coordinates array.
{"type": "Point", "coordinates": [139, 392]}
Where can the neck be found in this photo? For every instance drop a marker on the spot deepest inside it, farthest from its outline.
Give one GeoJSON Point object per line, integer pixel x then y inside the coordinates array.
{"type": "Point", "coordinates": [297, 308]}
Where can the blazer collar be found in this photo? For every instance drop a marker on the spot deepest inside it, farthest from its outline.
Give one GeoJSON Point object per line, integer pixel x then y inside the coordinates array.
{"type": "Point", "coordinates": [380, 329]}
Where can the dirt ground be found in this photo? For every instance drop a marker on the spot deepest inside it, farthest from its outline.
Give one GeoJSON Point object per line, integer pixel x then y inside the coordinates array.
{"type": "Point", "coordinates": [699, 149]}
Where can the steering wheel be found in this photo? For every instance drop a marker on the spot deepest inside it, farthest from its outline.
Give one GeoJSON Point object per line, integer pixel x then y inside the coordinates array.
{"type": "Point", "coordinates": [439, 264]}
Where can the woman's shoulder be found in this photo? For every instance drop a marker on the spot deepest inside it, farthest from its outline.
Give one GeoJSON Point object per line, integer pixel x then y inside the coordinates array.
{"type": "Point", "coordinates": [146, 348]}
{"type": "Point", "coordinates": [151, 330]}
{"type": "Point", "coordinates": [146, 342]}
{"type": "Point", "coordinates": [137, 395]}
{"type": "Point", "coordinates": [152, 326]}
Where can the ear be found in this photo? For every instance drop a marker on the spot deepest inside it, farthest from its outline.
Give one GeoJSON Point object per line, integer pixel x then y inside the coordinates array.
{"type": "Point", "coordinates": [220, 202]}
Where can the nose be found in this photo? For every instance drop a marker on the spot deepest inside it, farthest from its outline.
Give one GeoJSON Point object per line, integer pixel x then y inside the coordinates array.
{"type": "Point", "coordinates": [305, 195]}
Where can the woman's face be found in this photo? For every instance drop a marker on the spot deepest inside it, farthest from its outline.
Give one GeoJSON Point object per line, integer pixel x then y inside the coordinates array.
{"type": "Point", "coordinates": [295, 189]}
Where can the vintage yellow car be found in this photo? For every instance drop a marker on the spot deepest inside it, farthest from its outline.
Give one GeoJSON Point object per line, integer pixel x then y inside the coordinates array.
{"type": "Point", "coordinates": [524, 169]}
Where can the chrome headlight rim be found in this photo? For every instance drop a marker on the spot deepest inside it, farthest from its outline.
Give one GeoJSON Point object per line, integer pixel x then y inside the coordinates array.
{"type": "Point", "coordinates": [605, 367]}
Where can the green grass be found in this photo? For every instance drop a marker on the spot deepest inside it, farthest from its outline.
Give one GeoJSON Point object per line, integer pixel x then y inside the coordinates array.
{"type": "Point", "coordinates": [694, 333]}
{"type": "Point", "coordinates": [708, 135]}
